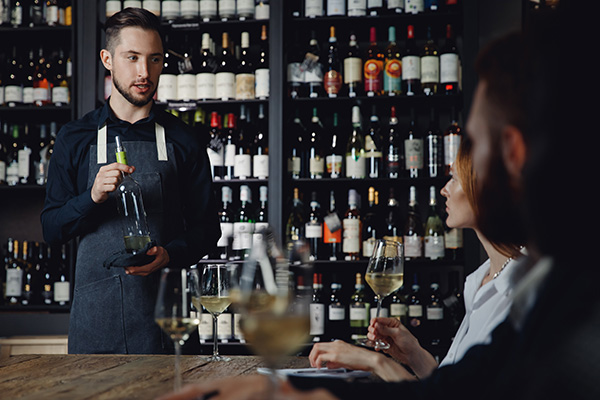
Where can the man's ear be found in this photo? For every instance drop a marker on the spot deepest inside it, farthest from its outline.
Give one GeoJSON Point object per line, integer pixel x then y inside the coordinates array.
{"type": "Point", "coordinates": [106, 59]}
{"type": "Point", "coordinates": [514, 151]}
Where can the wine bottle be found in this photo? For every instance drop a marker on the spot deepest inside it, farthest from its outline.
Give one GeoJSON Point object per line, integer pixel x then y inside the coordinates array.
{"type": "Point", "coordinates": [413, 230]}
{"type": "Point", "coordinates": [434, 230]}
{"type": "Point", "coordinates": [208, 10]}
{"type": "Point", "coordinates": [230, 146]}
{"type": "Point", "coordinates": [205, 73]}
{"type": "Point", "coordinates": [14, 274]}
{"type": "Point", "coordinates": [36, 13]}
{"type": "Point", "coordinates": [262, 214]}
{"type": "Point", "coordinates": [352, 228]}
{"type": "Point", "coordinates": [313, 8]}
{"type": "Point", "coordinates": [295, 226]}
{"type": "Point", "coordinates": [332, 81]}
{"type": "Point", "coordinates": [453, 240]}
{"type": "Point", "coordinates": [332, 230]}
{"type": "Point", "coordinates": [337, 322]}
{"type": "Point", "coordinates": [393, 226]}
{"type": "Point", "coordinates": [415, 310]}
{"type": "Point", "coordinates": [398, 308]}
{"type": "Point", "coordinates": [359, 311]}
{"type": "Point", "coordinates": [260, 148]}
{"type": "Point", "coordinates": [242, 161]}
{"type": "Point", "coordinates": [12, 158]}
{"type": "Point", "coordinates": [167, 84]}
{"type": "Point", "coordinates": [243, 225]}
{"type": "Point", "coordinates": [430, 65]}
{"type": "Point", "coordinates": [262, 66]}
{"type": "Point", "coordinates": [411, 66]}
{"type": "Point", "coordinates": [225, 326]}
{"type": "Point", "coordinates": [433, 152]}
{"type": "Point", "coordinates": [414, 6]}
{"type": "Point", "coordinates": [48, 277]}
{"type": "Point", "coordinates": [226, 10]}
{"type": "Point", "coordinates": [395, 6]}
{"type": "Point", "coordinates": [373, 152]}
{"type": "Point", "coordinates": [189, 10]}
{"type": "Point", "coordinates": [27, 290]}
{"type": "Point", "coordinates": [215, 148]}
{"type": "Point", "coordinates": [370, 226]}
{"type": "Point", "coordinates": [297, 161]}
{"type": "Point", "coordinates": [13, 86]}
{"type": "Point", "coordinates": [28, 74]}
{"type": "Point", "coordinates": [434, 312]}
{"type": "Point", "coordinates": [374, 7]}
{"type": "Point", "coordinates": [336, 8]}
{"type": "Point", "coordinates": [449, 64]}
{"type": "Point", "coordinates": [357, 8]}
{"type": "Point", "coordinates": [355, 149]}
{"type": "Point", "coordinates": [353, 68]}
{"type": "Point", "coordinates": [315, 148]}
{"type": "Point", "coordinates": [131, 207]}
{"type": "Point", "coordinates": [62, 286]}
{"type": "Point", "coordinates": [334, 158]}
{"type": "Point", "coordinates": [452, 139]}
{"type": "Point", "coordinates": [60, 80]}
{"type": "Point", "coordinates": [4, 143]}
{"type": "Point", "coordinates": [225, 74]}
{"type": "Point", "coordinates": [24, 157]}
{"type": "Point", "coordinates": [226, 221]}
{"type": "Point", "coordinates": [262, 10]}
{"type": "Point", "coordinates": [295, 74]}
{"type": "Point", "coordinates": [317, 310]}
{"type": "Point", "coordinates": [186, 77]}
{"type": "Point", "coordinates": [373, 68]}
{"type": "Point", "coordinates": [413, 148]}
{"type": "Point", "coordinates": [314, 227]}
{"type": "Point", "coordinates": [17, 15]}
{"type": "Point", "coordinates": [313, 69]}
{"type": "Point", "coordinates": [394, 156]}
{"type": "Point", "coordinates": [392, 71]}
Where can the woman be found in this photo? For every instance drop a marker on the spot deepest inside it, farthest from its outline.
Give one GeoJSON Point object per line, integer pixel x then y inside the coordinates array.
{"type": "Point", "coordinates": [486, 294]}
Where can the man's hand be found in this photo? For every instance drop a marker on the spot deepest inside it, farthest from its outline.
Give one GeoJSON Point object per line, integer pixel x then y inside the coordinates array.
{"type": "Point", "coordinates": [161, 260]}
{"type": "Point", "coordinates": [107, 180]}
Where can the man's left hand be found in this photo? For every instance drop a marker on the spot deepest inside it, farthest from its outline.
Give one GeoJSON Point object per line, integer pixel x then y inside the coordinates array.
{"type": "Point", "coordinates": [161, 259]}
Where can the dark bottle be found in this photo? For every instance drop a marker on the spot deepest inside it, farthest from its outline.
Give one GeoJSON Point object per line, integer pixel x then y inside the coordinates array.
{"type": "Point", "coordinates": [433, 147]}
{"type": "Point", "coordinates": [411, 66]}
{"type": "Point", "coordinates": [452, 138]}
{"type": "Point", "coordinates": [337, 318]}
{"type": "Point", "coordinates": [435, 318]}
{"type": "Point", "coordinates": [205, 70]}
{"type": "Point", "coordinates": [392, 71]}
{"type": "Point", "coordinates": [373, 68]}
{"type": "Point", "coordinates": [430, 66]}
{"type": "Point", "coordinates": [398, 307]}
{"type": "Point", "coordinates": [230, 151]}
{"type": "Point", "coordinates": [244, 75]}
{"type": "Point", "coordinates": [392, 218]}
{"type": "Point", "coordinates": [416, 314]}
{"type": "Point", "coordinates": [449, 64]}
{"type": "Point", "coordinates": [225, 73]}
{"type": "Point", "coordinates": [242, 163]}
{"type": "Point", "coordinates": [216, 147]}
{"type": "Point", "coordinates": [28, 74]}
{"type": "Point", "coordinates": [295, 75]}
{"type": "Point", "coordinates": [260, 147]}
{"type": "Point", "coordinates": [262, 214]}
{"type": "Point", "coordinates": [297, 158]}
{"type": "Point", "coordinates": [332, 80]}
{"type": "Point", "coordinates": [28, 264]}
{"type": "Point", "coordinates": [226, 221]}
{"type": "Point", "coordinates": [413, 229]}
{"type": "Point", "coordinates": [358, 311]}
{"type": "Point", "coordinates": [243, 225]}
{"type": "Point", "coordinates": [314, 227]}
{"type": "Point", "coordinates": [14, 273]}
{"type": "Point", "coordinates": [317, 310]}
{"type": "Point", "coordinates": [352, 229]}
{"type": "Point", "coordinates": [49, 277]}
{"type": "Point", "coordinates": [262, 67]}
{"type": "Point", "coordinates": [373, 153]}
{"type": "Point", "coordinates": [370, 225]}
{"type": "Point", "coordinates": [353, 69]}
{"type": "Point", "coordinates": [332, 231]}
{"type": "Point", "coordinates": [413, 148]}
{"type": "Point", "coordinates": [312, 68]}
{"type": "Point", "coordinates": [316, 161]}
{"type": "Point", "coordinates": [62, 286]}
{"type": "Point", "coordinates": [394, 158]}
{"type": "Point", "coordinates": [13, 84]}
{"type": "Point", "coordinates": [295, 226]}
{"type": "Point", "coordinates": [335, 159]}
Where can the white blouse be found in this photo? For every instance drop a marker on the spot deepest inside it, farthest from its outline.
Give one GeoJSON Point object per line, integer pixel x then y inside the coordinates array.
{"type": "Point", "coordinates": [486, 306]}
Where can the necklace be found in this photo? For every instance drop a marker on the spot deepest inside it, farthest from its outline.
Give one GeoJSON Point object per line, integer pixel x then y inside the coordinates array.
{"type": "Point", "coordinates": [502, 267]}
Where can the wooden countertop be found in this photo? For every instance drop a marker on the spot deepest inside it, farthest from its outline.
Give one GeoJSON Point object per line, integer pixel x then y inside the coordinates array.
{"type": "Point", "coordinates": [113, 376]}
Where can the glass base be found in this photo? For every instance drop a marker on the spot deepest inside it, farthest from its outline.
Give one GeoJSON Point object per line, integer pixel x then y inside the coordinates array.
{"type": "Point", "coordinates": [217, 358]}
{"type": "Point", "coordinates": [377, 344]}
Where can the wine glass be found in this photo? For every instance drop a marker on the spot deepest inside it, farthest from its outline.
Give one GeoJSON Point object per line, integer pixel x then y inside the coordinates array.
{"type": "Point", "coordinates": [173, 312]}
{"type": "Point", "coordinates": [385, 275]}
{"type": "Point", "coordinates": [273, 301]}
{"type": "Point", "coordinates": [214, 283]}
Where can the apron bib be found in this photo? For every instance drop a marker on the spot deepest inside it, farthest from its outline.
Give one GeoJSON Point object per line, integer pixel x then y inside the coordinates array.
{"type": "Point", "coordinates": [113, 312]}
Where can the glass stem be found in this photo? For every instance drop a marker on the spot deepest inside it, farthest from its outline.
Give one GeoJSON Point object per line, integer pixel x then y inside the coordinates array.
{"type": "Point", "coordinates": [177, 366]}
{"type": "Point", "coordinates": [215, 337]}
{"type": "Point", "coordinates": [378, 306]}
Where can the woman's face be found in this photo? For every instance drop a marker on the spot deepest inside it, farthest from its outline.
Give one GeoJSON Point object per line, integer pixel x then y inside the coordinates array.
{"type": "Point", "coordinates": [460, 213]}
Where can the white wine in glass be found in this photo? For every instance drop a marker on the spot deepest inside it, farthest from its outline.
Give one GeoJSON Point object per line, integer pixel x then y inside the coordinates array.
{"type": "Point", "coordinates": [385, 275]}
{"type": "Point", "coordinates": [173, 312]}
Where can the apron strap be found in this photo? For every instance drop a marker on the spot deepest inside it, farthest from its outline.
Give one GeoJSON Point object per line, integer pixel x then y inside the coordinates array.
{"type": "Point", "coordinates": [161, 144]}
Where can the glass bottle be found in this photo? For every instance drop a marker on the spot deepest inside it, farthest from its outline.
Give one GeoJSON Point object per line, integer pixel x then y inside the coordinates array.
{"type": "Point", "coordinates": [373, 152]}
{"type": "Point", "coordinates": [392, 71]}
{"type": "Point", "coordinates": [434, 230]}
{"type": "Point", "coordinates": [359, 311]}
{"type": "Point", "coordinates": [314, 227]}
{"type": "Point", "coordinates": [316, 162]}
{"type": "Point", "coordinates": [243, 225]}
{"type": "Point", "coordinates": [411, 65]}
{"type": "Point", "coordinates": [430, 66]}
{"type": "Point", "coordinates": [413, 148]}
{"type": "Point", "coordinates": [334, 158]}
{"type": "Point", "coordinates": [332, 80]}
{"type": "Point", "coordinates": [351, 242]}
{"type": "Point", "coordinates": [353, 68]}
{"type": "Point", "coordinates": [355, 149]}
{"type": "Point", "coordinates": [332, 230]}
{"type": "Point", "coordinates": [373, 67]}
{"type": "Point", "coordinates": [413, 230]}
{"type": "Point", "coordinates": [262, 66]}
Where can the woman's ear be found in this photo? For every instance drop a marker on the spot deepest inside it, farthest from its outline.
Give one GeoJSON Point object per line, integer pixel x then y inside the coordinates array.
{"type": "Point", "coordinates": [514, 151]}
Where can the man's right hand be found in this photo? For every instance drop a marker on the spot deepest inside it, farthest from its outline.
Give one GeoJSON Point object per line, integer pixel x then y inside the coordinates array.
{"type": "Point", "coordinates": [107, 180]}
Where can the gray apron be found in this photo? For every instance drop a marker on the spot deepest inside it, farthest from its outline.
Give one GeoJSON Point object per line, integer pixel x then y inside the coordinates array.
{"type": "Point", "coordinates": [113, 312]}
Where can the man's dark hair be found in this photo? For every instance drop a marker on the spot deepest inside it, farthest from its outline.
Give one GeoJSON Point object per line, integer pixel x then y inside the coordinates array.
{"type": "Point", "coordinates": [130, 17]}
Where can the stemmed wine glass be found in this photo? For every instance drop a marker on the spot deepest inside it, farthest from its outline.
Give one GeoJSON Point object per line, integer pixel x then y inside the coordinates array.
{"type": "Point", "coordinates": [214, 289]}
{"type": "Point", "coordinates": [385, 275]}
{"type": "Point", "coordinates": [172, 312]}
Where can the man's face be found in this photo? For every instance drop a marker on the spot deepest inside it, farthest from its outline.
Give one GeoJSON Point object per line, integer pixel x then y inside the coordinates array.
{"type": "Point", "coordinates": [136, 65]}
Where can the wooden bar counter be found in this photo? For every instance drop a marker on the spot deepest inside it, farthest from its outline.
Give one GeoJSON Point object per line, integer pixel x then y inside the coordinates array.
{"type": "Point", "coordinates": [113, 376]}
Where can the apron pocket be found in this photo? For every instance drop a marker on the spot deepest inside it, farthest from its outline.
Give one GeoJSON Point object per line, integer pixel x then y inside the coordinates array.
{"type": "Point", "coordinates": [97, 321]}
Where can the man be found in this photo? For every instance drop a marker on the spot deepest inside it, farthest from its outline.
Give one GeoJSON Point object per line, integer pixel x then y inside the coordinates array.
{"type": "Point", "coordinates": [549, 346]}
{"type": "Point", "coordinates": [113, 308]}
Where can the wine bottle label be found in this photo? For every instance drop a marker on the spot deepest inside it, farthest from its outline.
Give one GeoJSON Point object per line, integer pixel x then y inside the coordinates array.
{"type": "Point", "coordinates": [369, 246]}
{"type": "Point", "coordinates": [449, 63]}
{"type": "Point", "coordinates": [337, 313]}
{"type": "Point", "coordinates": [225, 326]}
{"type": "Point", "coordinates": [112, 7]}
{"type": "Point", "coordinates": [12, 173]}
{"type": "Point", "coordinates": [435, 313]}
{"type": "Point", "coordinates": [23, 156]}
{"type": "Point", "coordinates": [355, 167]}
{"type": "Point", "coordinates": [208, 8]}
{"type": "Point", "coordinates": [28, 95]}
{"type": "Point", "coordinates": [313, 230]}
{"type": "Point", "coordinates": [383, 313]}
{"type": "Point", "coordinates": [242, 166]}
{"type": "Point", "coordinates": [62, 291]}
{"type": "Point", "coordinates": [14, 282]}
{"type": "Point", "coordinates": [353, 70]}
{"type": "Point", "coordinates": [230, 155]}
{"type": "Point", "coordinates": [351, 235]}
{"type": "Point", "coordinates": [370, 144]}
{"type": "Point", "coordinates": [453, 239]}
{"type": "Point", "coordinates": [152, 5]}
{"type": "Point", "coordinates": [358, 313]}
{"type": "Point", "coordinates": [261, 11]}
{"type": "Point", "coordinates": [411, 67]}
{"type": "Point", "coordinates": [334, 165]}
{"type": "Point", "coordinates": [205, 328]}
{"type": "Point", "coordinates": [226, 8]}
{"type": "Point", "coordinates": [430, 69]}
{"type": "Point", "coordinates": [451, 145]}
{"type": "Point", "coordinates": [373, 74]}
{"type": "Point", "coordinates": [13, 94]}
{"type": "Point", "coordinates": [2, 171]}
{"type": "Point", "coordinates": [60, 95]}
{"type": "Point", "coordinates": [41, 94]}
{"type": "Point", "coordinates": [317, 319]}
{"type": "Point", "coordinates": [415, 310]}
{"type": "Point", "coordinates": [398, 310]}
{"type": "Point", "coordinates": [413, 246]}
{"type": "Point", "coordinates": [332, 82]}
{"type": "Point", "coordinates": [245, 7]}
{"type": "Point", "coordinates": [167, 88]}
{"type": "Point", "coordinates": [260, 166]}
{"type": "Point", "coordinates": [413, 153]}
{"type": "Point", "coordinates": [294, 165]}
{"type": "Point", "coordinates": [186, 87]}
{"type": "Point", "coordinates": [392, 76]}
{"type": "Point", "coordinates": [242, 235]}
{"type": "Point", "coordinates": [226, 234]}
{"type": "Point", "coordinates": [393, 163]}
{"type": "Point", "coordinates": [357, 8]}
{"type": "Point", "coordinates": [2, 95]}
{"type": "Point", "coordinates": [132, 3]}
{"type": "Point", "coordinates": [313, 8]}
{"type": "Point", "coordinates": [434, 247]}
{"type": "Point", "coordinates": [262, 83]}
{"type": "Point", "coordinates": [205, 85]}
{"type": "Point", "coordinates": [414, 6]}
{"type": "Point", "coordinates": [295, 74]}
{"type": "Point", "coordinates": [52, 15]}
{"type": "Point", "coordinates": [189, 9]}
{"type": "Point", "coordinates": [314, 75]}
{"type": "Point", "coordinates": [170, 9]}
{"type": "Point", "coordinates": [215, 157]}
{"type": "Point", "coordinates": [336, 7]}
{"type": "Point", "coordinates": [395, 4]}
{"type": "Point", "coordinates": [316, 166]}
{"type": "Point", "coordinates": [225, 85]}
{"type": "Point", "coordinates": [244, 86]}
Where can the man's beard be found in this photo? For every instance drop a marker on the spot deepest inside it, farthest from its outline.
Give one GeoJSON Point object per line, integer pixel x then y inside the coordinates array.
{"type": "Point", "coordinates": [128, 96]}
{"type": "Point", "coordinates": [500, 217]}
